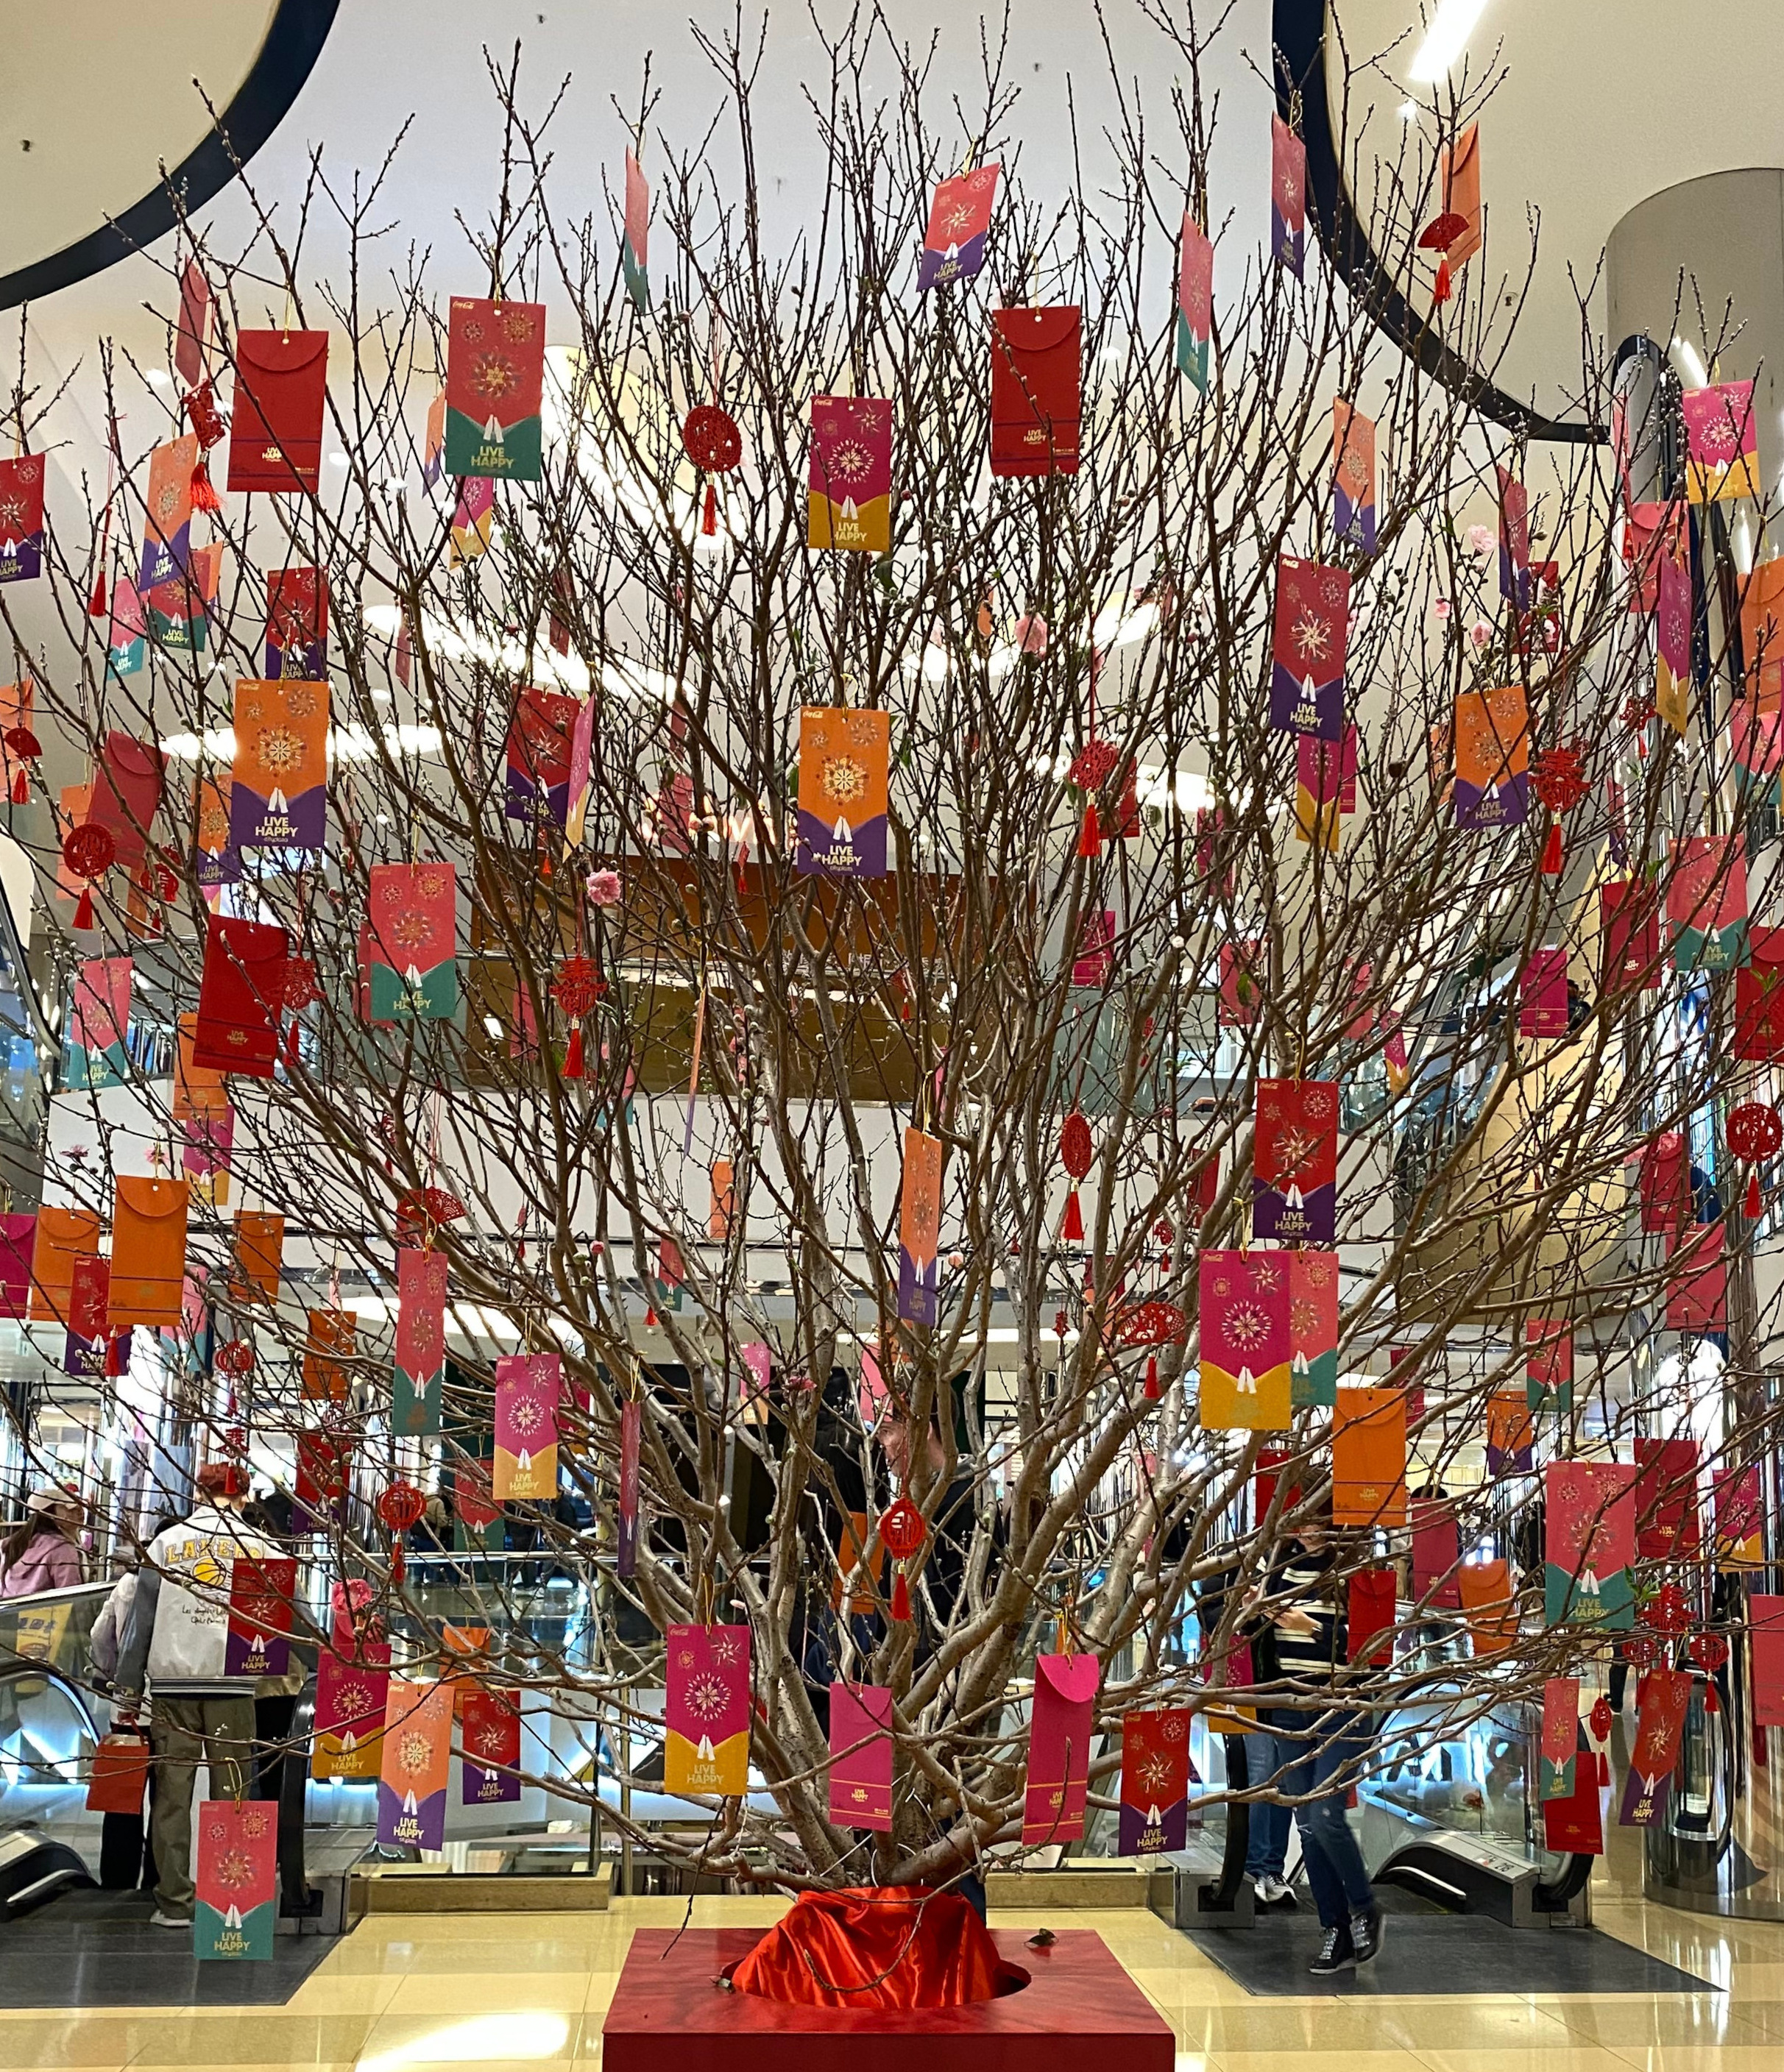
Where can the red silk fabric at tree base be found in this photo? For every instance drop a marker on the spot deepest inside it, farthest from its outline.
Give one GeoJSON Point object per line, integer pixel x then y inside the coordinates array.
{"type": "Point", "coordinates": [897, 1947]}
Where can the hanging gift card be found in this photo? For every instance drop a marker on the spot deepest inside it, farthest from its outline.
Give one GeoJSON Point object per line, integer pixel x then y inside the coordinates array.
{"type": "Point", "coordinates": [635, 247]}
{"type": "Point", "coordinates": [1492, 757]}
{"type": "Point", "coordinates": [279, 796]}
{"type": "Point", "coordinates": [1513, 540]}
{"type": "Point", "coordinates": [1353, 475]}
{"type": "Point", "coordinates": [65, 1237]}
{"type": "Point", "coordinates": [580, 782]}
{"type": "Point", "coordinates": [1765, 1642]}
{"type": "Point", "coordinates": [1560, 1736]}
{"type": "Point", "coordinates": [237, 1878]}
{"type": "Point", "coordinates": [1737, 1503]}
{"type": "Point", "coordinates": [1295, 1162]}
{"type": "Point", "coordinates": [1195, 301]}
{"type": "Point", "coordinates": [1369, 1621]}
{"type": "Point", "coordinates": [281, 394]}
{"type": "Point", "coordinates": [495, 384]}
{"type": "Point", "coordinates": [848, 483]}
{"type": "Point", "coordinates": [1589, 1552]}
{"type": "Point", "coordinates": [473, 520]}
{"type": "Point", "coordinates": [259, 1251]}
{"type": "Point", "coordinates": [1246, 1383]}
{"type": "Point", "coordinates": [1756, 751]}
{"type": "Point", "coordinates": [1436, 1555]}
{"type": "Point", "coordinates": [168, 513]}
{"type": "Point", "coordinates": [1659, 1734]}
{"type": "Point", "coordinates": [297, 624]}
{"type": "Point", "coordinates": [204, 1156]}
{"type": "Point", "coordinates": [861, 1756]}
{"type": "Point", "coordinates": [148, 1250]}
{"type": "Point", "coordinates": [1368, 1456]}
{"type": "Point", "coordinates": [125, 639]}
{"type": "Point", "coordinates": [1325, 786]}
{"type": "Point", "coordinates": [180, 611]}
{"type": "Point", "coordinates": [490, 1762]}
{"type": "Point", "coordinates": [351, 1697]}
{"type": "Point", "coordinates": [331, 1343]}
{"type": "Point", "coordinates": [1037, 377]}
{"type": "Point", "coordinates": [1673, 622]}
{"type": "Point", "coordinates": [919, 1225]}
{"type": "Point", "coordinates": [241, 997]}
{"type": "Point", "coordinates": [1707, 903]}
{"type": "Point", "coordinates": [844, 757]}
{"type": "Point", "coordinates": [218, 861]}
{"type": "Point", "coordinates": [1243, 966]}
{"type": "Point", "coordinates": [1059, 1747]}
{"type": "Point", "coordinates": [1762, 638]}
{"type": "Point", "coordinates": [88, 1343]}
{"type": "Point", "coordinates": [631, 1445]}
{"type": "Point", "coordinates": [1510, 1435]}
{"type": "Point", "coordinates": [1667, 1525]}
{"type": "Point", "coordinates": [192, 332]}
{"type": "Point", "coordinates": [1313, 1328]}
{"type": "Point", "coordinates": [1459, 181]}
{"type": "Point", "coordinates": [1628, 922]}
{"type": "Point", "coordinates": [126, 794]}
{"type": "Point", "coordinates": [1287, 197]}
{"type": "Point", "coordinates": [17, 1236]}
{"type": "Point", "coordinates": [1697, 1279]}
{"type": "Point", "coordinates": [258, 1637]}
{"type": "Point", "coordinates": [97, 1054]}
{"type": "Point", "coordinates": [415, 1761]}
{"type": "Point", "coordinates": [1154, 1782]}
{"type": "Point", "coordinates": [1094, 960]}
{"type": "Point", "coordinates": [539, 736]}
{"type": "Point", "coordinates": [412, 938]}
{"type": "Point", "coordinates": [21, 519]}
{"type": "Point", "coordinates": [324, 1477]}
{"type": "Point", "coordinates": [706, 1714]}
{"type": "Point", "coordinates": [1721, 443]}
{"type": "Point", "coordinates": [420, 1367]}
{"type": "Point", "coordinates": [1542, 996]}
{"type": "Point", "coordinates": [528, 1388]}
{"type": "Point", "coordinates": [1308, 649]}
{"type": "Point", "coordinates": [960, 216]}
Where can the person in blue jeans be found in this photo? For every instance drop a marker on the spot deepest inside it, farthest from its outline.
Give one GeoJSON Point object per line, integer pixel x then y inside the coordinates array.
{"type": "Point", "coordinates": [1324, 1735]}
{"type": "Point", "coordinates": [1266, 1854]}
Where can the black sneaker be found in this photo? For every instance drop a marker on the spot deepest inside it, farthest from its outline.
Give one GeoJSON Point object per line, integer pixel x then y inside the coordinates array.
{"type": "Point", "coordinates": [1365, 1933]}
{"type": "Point", "coordinates": [1336, 1954]}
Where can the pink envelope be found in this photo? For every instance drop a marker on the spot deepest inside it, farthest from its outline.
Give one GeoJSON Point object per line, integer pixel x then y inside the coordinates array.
{"type": "Point", "coordinates": [861, 1756]}
{"type": "Point", "coordinates": [1059, 1747]}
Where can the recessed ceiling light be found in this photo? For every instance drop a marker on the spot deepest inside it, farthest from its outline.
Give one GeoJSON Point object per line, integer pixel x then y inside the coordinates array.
{"type": "Point", "coordinates": [1409, 111]}
{"type": "Point", "coordinates": [1450, 28]}
{"type": "Point", "coordinates": [159, 377]}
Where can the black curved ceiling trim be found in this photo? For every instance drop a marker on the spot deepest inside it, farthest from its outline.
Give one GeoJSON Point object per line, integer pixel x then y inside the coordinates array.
{"type": "Point", "coordinates": [294, 38]}
{"type": "Point", "coordinates": [1298, 32]}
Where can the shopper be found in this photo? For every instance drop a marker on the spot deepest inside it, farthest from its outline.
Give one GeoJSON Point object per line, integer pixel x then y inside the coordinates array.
{"type": "Point", "coordinates": [175, 1641]}
{"type": "Point", "coordinates": [44, 1553]}
{"type": "Point", "coordinates": [1327, 1733]}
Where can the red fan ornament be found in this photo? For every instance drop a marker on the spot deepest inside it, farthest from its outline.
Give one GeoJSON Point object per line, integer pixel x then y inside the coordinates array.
{"type": "Point", "coordinates": [712, 441]}
{"type": "Point", "coordinates": [23, 744]}
{"type": "Point", "coordinates": [422, 1210]}
{"type": "Point", "coordinates": [1438, 235]}
{"type": "Point", "coordinates": [1075, 1151]}
{"type": "Point", "coordinates": [400, 1506]}
{"type": "Point", "coordinates": [88, 852]}
{"type": "Point", "coordinates": [577, 987]}
{"type": "Point", "coordinates": [902, 1533]}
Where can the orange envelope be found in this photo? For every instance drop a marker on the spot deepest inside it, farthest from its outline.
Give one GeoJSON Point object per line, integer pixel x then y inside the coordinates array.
{"type": "Point", "coordinates": [148, 1251]}
{"type": "Point", "coordinates": [198, 1091]}
{"type": "Point", "coordinates": [63, 1235]}
{"type": "Point", "coordinates": [73, 800]}
{"type": "Point", "coordinates": [260, 1249]}
{"type": "Point", "coordinates": [1490, 1607]}
{"type": "Point", "coordinates": [333, 1335]}
{"type": "Point", "coordinates": [1762, 634]}
{"type": "Point", "coordinates": [1368, 1456]}
{"type": "Point", "coordinates": [1459, 172]}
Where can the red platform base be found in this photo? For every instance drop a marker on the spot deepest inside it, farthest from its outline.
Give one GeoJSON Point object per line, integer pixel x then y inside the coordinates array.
{"type": "Point", "coordinates": [668, 2016]}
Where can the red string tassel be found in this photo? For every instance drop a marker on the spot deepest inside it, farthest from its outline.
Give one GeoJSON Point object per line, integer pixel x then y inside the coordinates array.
{"type": "Point", "coordinates": [709, 518]}
{"type": "Point", "coordinates": [1153, 1392]}
{"type": "Point", "coordinates": [573, 1057]}
{"type": "Point", "coordinates": [83, 911]}
{"type": "Point", "coordinates": [21, 788]}
{"type": "Point", "coordinates": [397, 1567]}
{"type": "Point", "coordinates": [1089, 839]}
{"type": "Point", "coordinates": [1711, 1702]}
{"type": "Point", "coordinates": [1754, 1207]}
{"type": "Point", "coordinates": [1552, 852]}
{"type": "Point", "coordinates": [1442, 294]}
{"type": "Point", "coordinates": [96, 604]}
{"type": "Point", "coordinates": [292, 1036]}
{"type": "Point", "coordinates": [901, 1600]}
{"type": "Point", "coordinates": [204, 496]}
{"type": "Point", "coordinates": [650, 1318]}
{"type": "Point", "coordinates": [1071, 1229]}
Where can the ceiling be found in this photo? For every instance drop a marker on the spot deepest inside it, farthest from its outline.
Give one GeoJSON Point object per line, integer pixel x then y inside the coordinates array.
{"type": "Point", "coordinates": [1594, 108]}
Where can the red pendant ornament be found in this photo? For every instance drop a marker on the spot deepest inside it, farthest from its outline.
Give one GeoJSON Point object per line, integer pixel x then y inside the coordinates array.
{"type": "Point", "coordinates": [1755, 1131]}
{"type": "Point", "coordinates": [902, 1533]}
{"type": "Point", "coordinates": [576, 988]}
{"type": "Point", "coordinates": [1599, 1718]}
{"type": "Point", "coordinates": [711, 439]}
{"type": "Point", "coordinates": [25, 746]}
{"type": "Point", "coordinates": [1076, 1153]}
{"type": "Point", "coordinates": [88, 852]}
{"type": "Point", "coordinates": [400, 1506]}
{"type": "Point", "coordinates": [236, 1356]}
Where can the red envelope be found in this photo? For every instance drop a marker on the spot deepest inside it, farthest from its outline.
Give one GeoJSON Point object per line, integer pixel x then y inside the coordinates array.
{"type": "Point", "coordinates": [861, 1756]}
{"type": "Point", "coordinates": [240, 997]}
{"type": "Point", "coordinates": [1436, 1555]}
{"type": "Point", "coordinates": [17, 1235]}
{"type": "Point", "coordinates": [281, 393]}
{"type": "Point", "coordinates": [1759, 999]}
{"type": "Point", "coordinates": [1629, 920]}
{"type": "Point", "coordinates": [195, 323]}
{"type": "Point", "coordinates": [126, 790]}
{"type": "Point", "coordinates": [1667, 1524]}
{"type": "Point", "coordinates": [1664, 1182]}
{"type": "Point", "coordinates": [1697, 1279]}
{"type": "Point", "coordinates": [1575, 1826]}
{"type": "Point", "coordinates": [1765, 1627]}
{"type": "Point", "coordinates": [1059, 1747]}
{"type": "Point", "coordinates": [1036, 390]}
{"type": "Point", "coordinates": [1370, 1621]}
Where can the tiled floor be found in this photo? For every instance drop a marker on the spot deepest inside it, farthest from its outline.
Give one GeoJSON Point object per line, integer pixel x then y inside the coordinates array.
{"type": "Point", "coordinates": [526, 1993]}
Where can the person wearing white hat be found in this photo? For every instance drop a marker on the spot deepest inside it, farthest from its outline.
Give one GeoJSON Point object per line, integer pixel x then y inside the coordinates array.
{"type": "Point", "coordinates": [44, 1553]}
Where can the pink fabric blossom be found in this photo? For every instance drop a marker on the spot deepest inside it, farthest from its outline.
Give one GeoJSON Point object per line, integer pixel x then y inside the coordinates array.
{"type": "Point", "coordinates": [604, 888]}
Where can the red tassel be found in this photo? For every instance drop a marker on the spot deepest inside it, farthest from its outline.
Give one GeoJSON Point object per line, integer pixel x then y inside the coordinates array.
{"type": "Point", "coordinates": [1071, 1229]}
{"type": "Point", "coordinates": [1442, 294]}
{"type": "Point", "coordinates": [1089, 839]}
{"type": "Point", "coordinates": [83, 911]}
{"type": "Point", "coordinates": [1754, 1207]}
{"type": "Point", "coordinates": [650, 1318]}
{"type": "Point", "coordinates": [96, 604]}
{"type": "Point", "coordinates": [1551, 853]}
{"type": "Point", "coordinates": [292, 1036]}
{"type": "Point", "coordinates": [397, 1570]}
{"type": "Point", "coordinates": [1711, 1702]}
{"type": "Point", "coordinates": [573, 1057]}
{"type": "Point", "coordinates": [901, 1601]}
{"type": "Point", "coordinates": [1153, 1392]}
{"type": "Point", "coordinates": [709, 521]}
{"type": "Point", "coordinates": [204, 496]}
{"type": "Point", "coordinates": [21, 789]}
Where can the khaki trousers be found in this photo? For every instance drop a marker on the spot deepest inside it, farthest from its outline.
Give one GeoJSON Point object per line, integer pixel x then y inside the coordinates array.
{"type": "Point", "coordinates": [183, 1732]}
